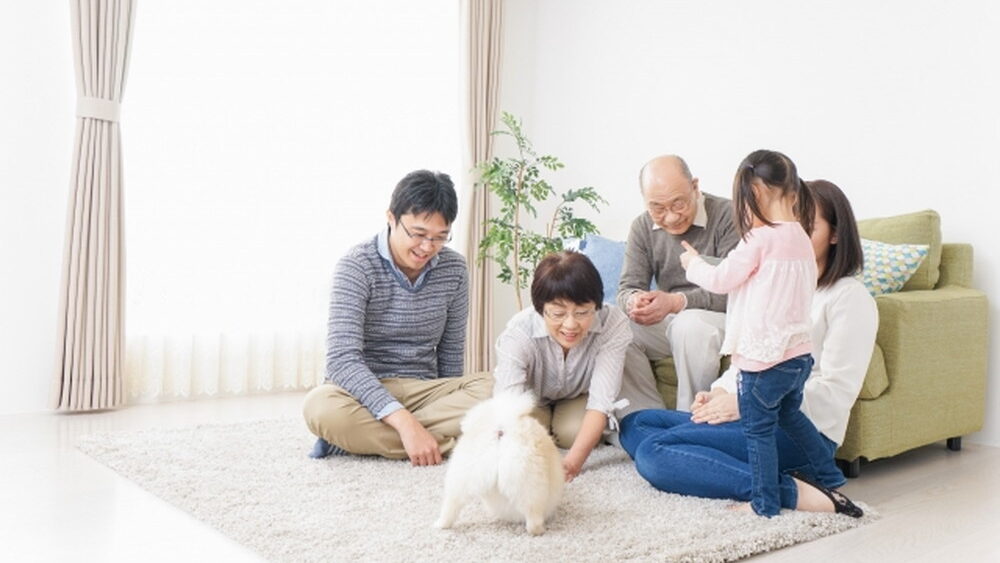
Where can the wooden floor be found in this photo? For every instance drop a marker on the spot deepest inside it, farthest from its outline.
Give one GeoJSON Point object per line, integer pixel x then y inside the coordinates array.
{"type": "Point", "coordinates": [57, 504]}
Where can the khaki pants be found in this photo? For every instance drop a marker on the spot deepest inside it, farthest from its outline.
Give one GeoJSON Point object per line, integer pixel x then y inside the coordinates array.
{"type": "Point", "coordinates": [438, 404]}
{"type": "Point", "coordinates": [693, 337]}
{"type": "Point", "coordinates": [563, 419]}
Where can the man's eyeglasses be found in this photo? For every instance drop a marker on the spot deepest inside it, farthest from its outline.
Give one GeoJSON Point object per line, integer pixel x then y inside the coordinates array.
{"type": "Point", "coordinates": [560, 316]}
{"type": "Point", "coordinates": [420, 239]}
{"type": "Point", "coordinates": [676, 206]}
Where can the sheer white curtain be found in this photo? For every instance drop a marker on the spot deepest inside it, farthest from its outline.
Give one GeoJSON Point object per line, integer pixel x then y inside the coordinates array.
{"type": "Point", "coordinates": [265, 140]}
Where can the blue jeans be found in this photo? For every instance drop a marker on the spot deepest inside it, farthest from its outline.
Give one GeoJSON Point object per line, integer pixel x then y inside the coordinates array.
{"type": "Point", "coordinates": [770, 399]}
{"type": "Point", "coordinates": [679, 456]}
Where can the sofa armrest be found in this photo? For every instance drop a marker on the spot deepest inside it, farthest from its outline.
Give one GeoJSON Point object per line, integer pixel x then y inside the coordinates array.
{"type": "Point", "coordinates": [956, 265]}
{"type": "Point", "coordinates": [876, 381]}
{"type": "Point", "coordinates": [934, 343]}
{"type": "Point", "coordinates": [939, 332]}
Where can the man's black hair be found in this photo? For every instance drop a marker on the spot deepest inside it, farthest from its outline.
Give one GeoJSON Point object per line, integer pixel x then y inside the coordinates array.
{"type": "Point", "coordinates": [421, 192]}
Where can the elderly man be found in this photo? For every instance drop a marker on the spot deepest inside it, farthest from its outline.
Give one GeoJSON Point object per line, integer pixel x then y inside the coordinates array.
{"type": "Point", "coordinates": [677, 318]}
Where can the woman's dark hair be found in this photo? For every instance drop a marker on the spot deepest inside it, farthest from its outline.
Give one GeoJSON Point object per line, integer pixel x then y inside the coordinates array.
{"type": "Point", "coordinates": [566, 275]}
{"type": "Point", "coordinates": [777, 171]}
{"type": "Point", "coordinates": [421, 192]}
{"type": "Point", "coordinates": [845, 257]}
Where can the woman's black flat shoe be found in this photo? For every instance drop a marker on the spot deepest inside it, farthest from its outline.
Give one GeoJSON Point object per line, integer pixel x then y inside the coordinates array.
{"type": "Point", "coordinates": [841, 504]}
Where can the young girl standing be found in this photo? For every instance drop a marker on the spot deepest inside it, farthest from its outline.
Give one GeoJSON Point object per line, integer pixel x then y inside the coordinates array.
{"type": "Point", "coordinates": [770, 277]}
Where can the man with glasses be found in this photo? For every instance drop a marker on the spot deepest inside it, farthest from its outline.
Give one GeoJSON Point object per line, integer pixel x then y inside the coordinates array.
{"type": "Point", "coordinates": [396, 336]}
{"type": "Point", "coordinates": [676, 318]}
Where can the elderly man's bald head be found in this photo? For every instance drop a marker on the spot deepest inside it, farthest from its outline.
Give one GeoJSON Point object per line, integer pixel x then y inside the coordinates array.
{"type": "Point", "coordinates": [661, 167]}
{"type": "Point", "coordinates": [670, 193]}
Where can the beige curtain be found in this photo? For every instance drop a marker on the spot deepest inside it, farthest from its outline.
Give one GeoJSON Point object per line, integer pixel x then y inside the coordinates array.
{"type": "Point", "coordinates": [484, 28]}
{"type": "Point", "coordinates": [92, 312]}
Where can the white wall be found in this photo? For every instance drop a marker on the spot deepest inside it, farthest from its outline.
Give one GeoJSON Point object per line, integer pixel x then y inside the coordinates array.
{"type": "Point", "coordinates": [36, 143]}
{"type": "Point", "coordinates": [896, 102]}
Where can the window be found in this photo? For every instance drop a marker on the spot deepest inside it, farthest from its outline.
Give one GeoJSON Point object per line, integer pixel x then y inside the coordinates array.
{"type": "Point", "coordinates": [262, 140]}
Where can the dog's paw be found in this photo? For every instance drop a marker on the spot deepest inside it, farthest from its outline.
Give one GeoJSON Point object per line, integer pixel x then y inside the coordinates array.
{"type": "Point", "coordinates": [442, 524]}
{"type": "Point", "coordinates": [536, 528]}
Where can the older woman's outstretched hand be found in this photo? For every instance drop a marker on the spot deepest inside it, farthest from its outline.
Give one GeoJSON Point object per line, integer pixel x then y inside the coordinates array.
{"type": "Point", "coordinates": [572, 464]}
{"type": "Point", "coordinates": [715, 407]}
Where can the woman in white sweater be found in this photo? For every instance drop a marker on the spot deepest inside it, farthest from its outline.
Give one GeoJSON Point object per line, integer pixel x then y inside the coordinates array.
{"type": "Point", "coordinates": [703, 453]}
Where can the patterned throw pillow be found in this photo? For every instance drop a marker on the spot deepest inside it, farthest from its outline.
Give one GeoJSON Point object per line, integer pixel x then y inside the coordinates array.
{"type": "Point", "coordinates": [888, 266]}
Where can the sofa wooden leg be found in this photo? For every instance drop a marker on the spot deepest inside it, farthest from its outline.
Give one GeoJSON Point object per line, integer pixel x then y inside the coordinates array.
{"type": "Point", "coordinates": [850, 469]}
{"type": "Point", "coordinates": [955, 444]}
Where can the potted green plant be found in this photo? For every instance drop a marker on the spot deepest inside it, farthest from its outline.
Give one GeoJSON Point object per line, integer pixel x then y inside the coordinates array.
{"type": "Point", "coordinates": [518, 184]}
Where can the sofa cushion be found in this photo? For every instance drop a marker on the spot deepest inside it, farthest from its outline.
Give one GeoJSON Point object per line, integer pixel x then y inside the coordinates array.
{"type": "Point", "coordinates": [922, 227]}
{"type": "Point", "coordinates": [607, 256]}
{"type": "Point", "coordinates": [887, 267]}
{"type": "Point", "coordinates": [666, 378]}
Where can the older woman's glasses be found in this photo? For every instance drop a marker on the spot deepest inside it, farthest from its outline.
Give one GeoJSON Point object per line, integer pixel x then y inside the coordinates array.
{"type": "Point", "coordinates": [420, 239]}
{"type": "Point", "coordinates": [560, 316]}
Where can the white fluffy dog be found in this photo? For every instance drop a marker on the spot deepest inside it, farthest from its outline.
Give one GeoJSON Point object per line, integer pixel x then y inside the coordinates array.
{"type": "Point", "coordinates": [506, 458]}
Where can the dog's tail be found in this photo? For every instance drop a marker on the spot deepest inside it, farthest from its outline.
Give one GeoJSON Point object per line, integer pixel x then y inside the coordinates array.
{"type": "Point", "coordinates": [518, 403]}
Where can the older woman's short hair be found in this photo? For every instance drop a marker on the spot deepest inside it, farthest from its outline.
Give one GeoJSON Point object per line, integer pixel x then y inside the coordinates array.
{"type": "Point", "coordinates": [566, 275]}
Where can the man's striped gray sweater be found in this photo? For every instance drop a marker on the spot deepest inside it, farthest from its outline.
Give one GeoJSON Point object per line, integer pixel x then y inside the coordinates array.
{"type": "Point", "coordinates": [381, 326]}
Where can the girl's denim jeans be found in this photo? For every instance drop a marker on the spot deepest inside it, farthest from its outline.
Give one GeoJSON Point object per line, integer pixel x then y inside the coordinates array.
{"type": "Point", "coordinates": [769, 400]}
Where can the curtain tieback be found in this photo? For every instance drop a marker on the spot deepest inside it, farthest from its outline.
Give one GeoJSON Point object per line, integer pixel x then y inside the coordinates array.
{"type": "Point", "coordinates": [98, 108]}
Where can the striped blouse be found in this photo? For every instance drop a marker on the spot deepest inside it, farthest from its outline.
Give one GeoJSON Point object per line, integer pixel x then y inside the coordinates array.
{"type": "Point", "coordinates": [529, 358]}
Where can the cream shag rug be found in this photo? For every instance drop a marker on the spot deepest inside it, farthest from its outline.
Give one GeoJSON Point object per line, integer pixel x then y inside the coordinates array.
{"type": "Point", "coordinates": [254, 482]}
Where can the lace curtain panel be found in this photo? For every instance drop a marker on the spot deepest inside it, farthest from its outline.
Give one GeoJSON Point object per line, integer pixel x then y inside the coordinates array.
{"type": "Point", "coordinates": [207, 365]}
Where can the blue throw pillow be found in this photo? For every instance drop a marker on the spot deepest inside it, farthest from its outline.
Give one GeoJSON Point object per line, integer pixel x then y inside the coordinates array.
{"type": "Point", "coordinates": [607, 256]}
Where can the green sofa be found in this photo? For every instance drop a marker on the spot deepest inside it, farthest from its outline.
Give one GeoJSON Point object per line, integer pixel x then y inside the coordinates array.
{"type": "Point", "coordinates": [927, 377]}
